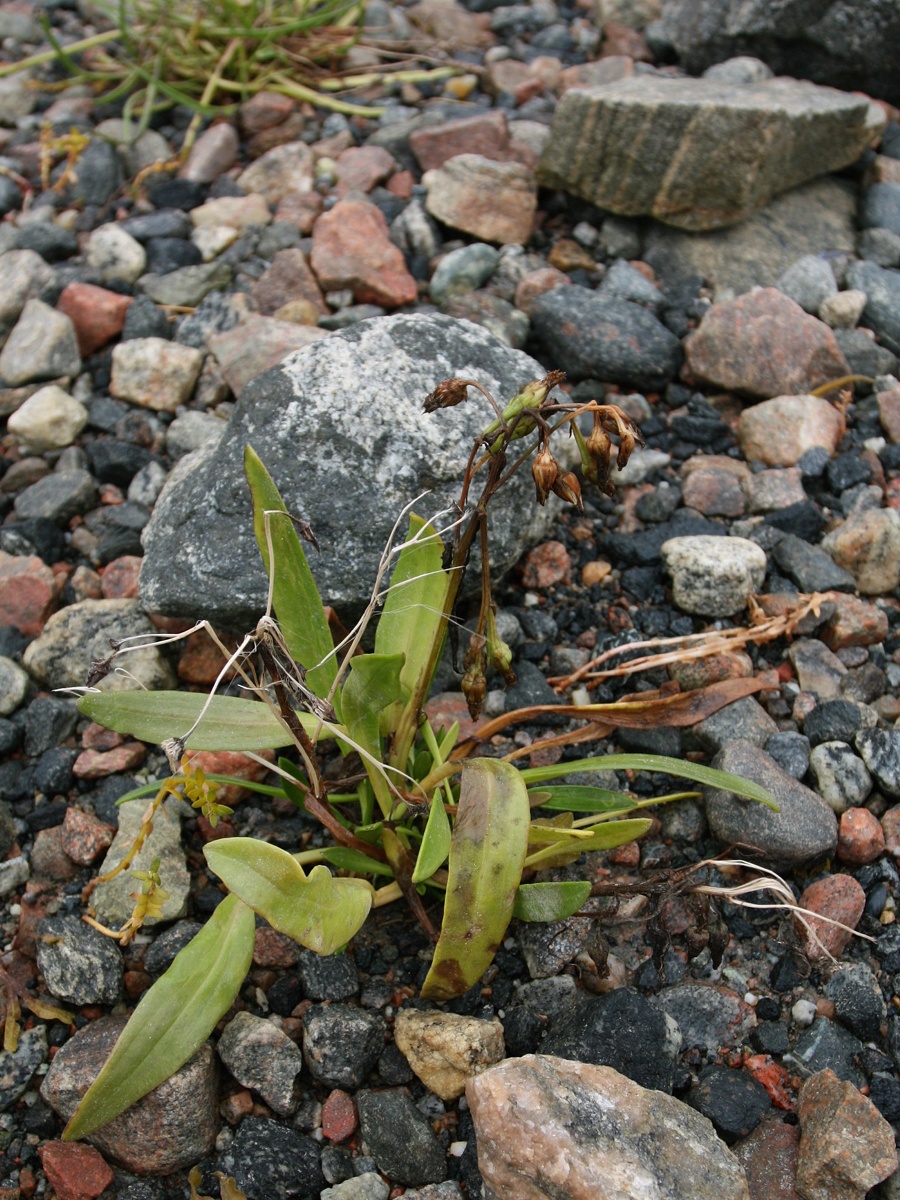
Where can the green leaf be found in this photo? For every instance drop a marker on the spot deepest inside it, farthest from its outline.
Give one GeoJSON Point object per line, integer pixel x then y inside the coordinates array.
{"type": "Point", "coordinates": [603, 837]}
{"type": "Point", "coordinates": [371, 687]}
{"type": "Point", "coordinates": [347, 859]}
{"type": "Point", "coordinates": [550, 901]}
{"type": "Point", "coordinates": [318, 911]}
{"type": "Point", "coordinates": [412, 619]}
{"type": "Point", "coordinates": [435, 844]}
{"type": "Point", "coordinates": [681, 768]}
{"type": "Point", "coordinates": [229, 723]}
{"type": "Point", "coordinates": [295, 596]}
{"type": "Point", "coordinates": [174, 1018]}
{"type": "Point", "coordinates": [487, 852]}
{"type": "Point", "coordinates": [573, 798]}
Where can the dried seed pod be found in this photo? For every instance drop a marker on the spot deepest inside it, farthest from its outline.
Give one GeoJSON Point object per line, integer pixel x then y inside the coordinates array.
{"type": "Point", "coordinates": [568, 488]}
{"type": "Point", "coordinates": [545, 472]}
{"type": "Point", "coordinates": [474, 681]}
{"type": "Point", "coordinates": [447, 394]}
{"type": "Point", "coordinates": [498, 652]}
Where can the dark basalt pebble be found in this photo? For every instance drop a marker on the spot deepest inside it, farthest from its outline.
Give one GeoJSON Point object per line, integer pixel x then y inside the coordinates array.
{"type": "Point", "coordinates": [161, 953]}
{"type": "Point", "coordinates": [400, 1139]}
{"type": "Point", "coordinates": [47, 539]}
{"type": "Point", "coordinates": [833, 721]}
{"type": "Point", "coordinates": [733, 1100]}
{"type": "Point", "coordinates": [49, 720]}
{"type": "Point", "coordinates": [770, 1037]}
{"type": "Point", "coordinates": [884, 1092]}
{"type": "Point", "coordinates": [267, 1159]}
{"type": "Point", "coordinates": [53, 771]}
{"type": "Point", "coordinates": [177, 193]}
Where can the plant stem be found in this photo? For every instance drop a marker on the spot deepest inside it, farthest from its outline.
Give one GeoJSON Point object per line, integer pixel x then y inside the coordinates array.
{"type": "Point", "coordinates": [45, 56]}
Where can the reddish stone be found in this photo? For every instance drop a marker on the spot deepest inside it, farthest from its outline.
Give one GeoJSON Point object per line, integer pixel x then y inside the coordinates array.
{"type": "Point", "coordinates": [256, 344]}
{"type": "Point", "coordinates": [778, 432]}
{"type": "Point", "coordinates": [774, 1078]}
{"type": "Point", "coordinates": [401, 184]}
{"type": "Point", "coordinates": [536, 283]}
{"type": "Point", "coordinates": [214, 833]}
{"type": "Point", "coordinates": [360, 168]}
{"type": "Point", "coordinates": [119, 579]}
{"type": "Point", "coordinates": [136, 983]}
{"type": "Point", "coordinates": [109, 494]}
{"type": "Point", "coordinates": [855, 622]}
{"type": "Point", "coordinates": [890, 824]}
{"type": "Point", "coordinates": [97, 764]}
{"type": "Point", "coordinates": [75, 1171]}
{"type": "Point", "coordinates": [97, 314]}
{"type": "Point", "coordinates": [623, 41]}
{"type": "Point", "coordinates": [628, 855]}
{"type": "Point", "coordinates": [698, 672]}
{"type": "Point", "coordinates": [889, 413]}
{"type": "Point", "coordinates": [352, 249]}
{"type": "Point", "coordinates": [85, 584]}
{"type": "Point", "coordinates": [764, 344]}
{"type": "Point", "coordinates": [97, 737]}
{"type": "Point", "coordinates": [201, 659]}
{"type": "Point", "coordinates": [339, 1119]}
{"type": "Point", "coordinates": [714, 493]}
{"type": "Point", "coordinates": [231, 762]}
{"type": "Point", "coordinates": [273, 949]}
{"type": "Point", "coordinates": [546, 565]}
{"type": "Point", "coordinates": [279, 135]}
{"type": "Point", "coordinates": [860, 837]}
{"type": "Point", "coordinates": [769, 1158]}
{"type": "Point", "coordinates": [568, 255]}
{"type": "Point", "coordinates": [27, 592]}
{"type": "Point", "coordinates": [608, 69]}
{"type": "Point", "coordinates": [506, 75]}
{"type": "Point", "coordinates": [487, 135]}
{"type": "Point", "coordinates": [892, 493]}
{"type": "Point", "coordinates": [84, 837]}
{"type": "Point", "coordinates": [49, 861]}
{"type": "Point", "coordinates": [237, 1106]}
{"type": "Point", "coordinates": [300, 208]}
{"type": "Point", "coordinates": [288, 278]}
{"type": "Point", "coordinates": [841, 899]}
{"type": "Point", "coordinates": [265, 110]}
{"type": "Point", "coordinates": [846, 1145]}
{"type": "Point", "coordinates": [446, 708]}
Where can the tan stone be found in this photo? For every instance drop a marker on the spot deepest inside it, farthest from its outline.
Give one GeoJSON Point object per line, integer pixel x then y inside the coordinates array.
{"type": "Point", "coordinates": [867, 545]}
{"type": "Point", "coordinates": [286, 168]}
{"type": "Point", "coordinates": [446, 1050]}
{"type": "Point", "coordinates": [846, 1145]}
{"type": "Point", "coordinates": [495, 202]}
{"type": "Point", "coordinates": [239, 212]}
{"type": "Point", "coordinates": [778, 432]}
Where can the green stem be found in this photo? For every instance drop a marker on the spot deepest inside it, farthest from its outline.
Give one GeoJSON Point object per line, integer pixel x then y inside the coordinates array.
{"type": "Point", "coordinates": [45, 56]}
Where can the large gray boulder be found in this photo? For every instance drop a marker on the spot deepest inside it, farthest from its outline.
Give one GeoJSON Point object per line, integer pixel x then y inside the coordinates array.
{"type": "Point", "coordinates": [341, 429]}
{"type": "Point", "coordinates": [700, 154]}
{"type": "Point", "coordinates": [844, 43]}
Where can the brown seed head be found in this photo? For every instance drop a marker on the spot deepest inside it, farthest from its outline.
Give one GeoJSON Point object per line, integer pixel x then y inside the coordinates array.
{"type": "Point", "coordinates": [544, 471]}
{"type": "Point", "coordinates": [568, 488]}
{"type": "Point", "coordinates": [447, 394]}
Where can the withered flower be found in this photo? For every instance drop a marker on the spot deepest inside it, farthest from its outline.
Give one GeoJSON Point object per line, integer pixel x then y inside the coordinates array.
{"type": "Point", "coordinates": [474, 680]}
{"type": "Point", "coordinates": [447, 394]}
{"type": "Point", "coordinates": [498, 652]}
{"type": "Point", "coordinates": [568, 488]}
{"type": "Point", "coordinates": [545, 472]}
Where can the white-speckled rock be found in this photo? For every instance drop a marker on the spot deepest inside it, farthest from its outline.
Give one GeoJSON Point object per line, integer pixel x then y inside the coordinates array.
{"type": "Point", "coordinates": [112, 900]}
{"type": "Point", "coordinates": [51, 419]}
{"type": "Point", "coordinates": [154, 372]}
{"type": "Point", "coordinates": [42, 345]}
{"type": "Point", "coordinates": [114, 254]}
{"type": "Point", "coordinates": [713, 576]}
{"type": "Point", "coordinates": [13, 686]}
{"type": "Point", "coordinates": [550, 1127]}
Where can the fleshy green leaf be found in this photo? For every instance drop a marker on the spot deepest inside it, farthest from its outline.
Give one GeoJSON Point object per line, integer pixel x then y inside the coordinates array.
{"type": "Point", "coordinates": [295, 596]}
{"type": "Point", "coordinates": [681, 768]}
{"type": "Point", "coordinates": [174, 1018]}
{"type": "Point", "coordinates": [550, 901]}
{"type": "Point", "coordinates": [372, 686]}
{"type": "Point", "coordinates": [411, 619]}
{"type": "Point", "coordinates": [574, 798]}
{"type": "Point", "coordinates": [347, 859]}
{"type": "Point", "coordinates": [318, 911]}
{"type": "Point", "coordinates": [487, 851]}
{"type": "Point", "coordinates": [435, 844]}
{"type": "Point", "coordinates": [229, 723]}
{"type": "Point", "coordinates": [603, 837]}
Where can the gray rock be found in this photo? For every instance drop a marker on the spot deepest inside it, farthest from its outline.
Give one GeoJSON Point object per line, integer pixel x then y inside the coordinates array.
{"type": "Point", "coordinates": [341, 1044]}
{"type": "Point", "coordinates": [602, 337]}
{"type": "Point", "coordinates": [79, 965]}
{"type": "Point", "coordinates": [745, 718]}
{"type": "Point", "coordinates": [841, 776]}
{"type": "Point", "coordinates": [809, 282]}
{"type": "Point", "coordinates": [756, 252]}
{"type": "Point", "coordinates": [58, 497]}
{"type": "Point", "coordinates": [880, 208]}
{"type": "Point", "coordinates": [23, 276]}
{"type": "Point", "coordinates": [17, 97]}
{"type": "Point", "coordinates": [62, 654]}
{"type": "Point", "coordinates": [810, 567]}
{"type": "Point", "coordinates": [549, 1127]}
{"type": "Point", "coordinates": [400, 1138]}
{"type": "Point", "coordinates": [743, 69]}
{"type": "Point", "coordinates": [340, 427]}
{"type": "Point", "coordinates": [719, 151]}
{"type": "Point", "coordinates": [115, 254]}
{"type": "Point", "coordinates": [713, 576]}
{"type": "Point", "coordinates": [368, 1186]}
{"type": "Point", "coordinates": [13, 686]}
{"type": "Point", "coordinates": [858, 1002]}
{"type": "Point", "coordinates": [113, 900]}
{"type": "Point", "coordinates": [882, 311]}
{"type": "Point", "coordinates": [627, 283]}
{"type": "Point", "coordinates": [262, 1057]}
{"type": "Point", "coordinates": [880, 246]}
{"type": "Point", "coordinates": [790, 751]}
{"type": "Point", "coordinates": [506, 322]}
{"type": "Point", "coordinates": [18, 1067]}
{"type": "Point", "coordinates": [819, 670]}
{"type": "Point", "coordinates": [42, 345]}
{"type": "Point", "coordinates": [187, 1100]}
{"type": "Point", "coordinates": [188, 285]}
{"type": "Point", "coordinates": [836, 42]}
{"type": "Point", "coordinates": [620, 237]}
{"type": "Point", "coordinates": [827, 1046]}
{"type": "Point", "coordinates": [191, 431]}
{"type": "Point", "coordinates": [706, 1015]}
{"type": "Point", "coordinates": [804, 828]}
{"type": "Point", "coordinates": [462, 271]}
{"type": "Point", "coordinates": [880, 751]}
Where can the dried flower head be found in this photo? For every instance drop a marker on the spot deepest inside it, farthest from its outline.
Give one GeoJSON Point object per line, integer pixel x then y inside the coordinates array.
{"type": "Point", "coordinates": [568, 488]}
{"type": "Point", "coordinates": [544, 471]}
{"type": "Point", "coordinates": [474, 680]}
{"type": "Point", "coordinates": [447, 394]}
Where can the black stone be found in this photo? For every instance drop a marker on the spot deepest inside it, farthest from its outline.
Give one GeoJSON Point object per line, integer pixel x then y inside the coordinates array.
{"type": "Point", "coordinates": [733, 1100]}
{"type": "Point", "coordinates": [522, 1031]}
{"type": "Point", "coordinates": [117, 462]}
{"type": "Point", "coordinates": [161, 953]}
{"type": "Point", "coordinates": [53, 771]}
{"type": "Point", "coordinates": [846, 471]}
{"type": "Point", "coordinates": [177, 193]}
{"type": "Point", "coordinates": [786, 974]}
{"type": "Point", "coordinates": [620, 1030]}
{"type": "Point", "coordinates": [810, 567]}
{"type": "Point", "coordinates": [170, 254]}
{"type": "Point", "coordinates": [48, 540]}
{"type": "Point", "coordinates": [857, 1002]}
{"type": "Point", "coordinates": [49, 720]}
{"type": "Point", "coordinates": [47, 815]}
{"type": "Point", "coordinates": [642, 549]}
{"type": "Point", "coordinates": [284, 995]}
{"type": "Point", "coordinates": [144, 319]}
{"type": "Point", "coordinates": [165, 223]}
{"type": "Point", "coordinates": [770, 1037]}
{"type": "Point", "coordinates": [884, 1092]}
{"type": "Point", "coordinates": [269, 1161]}
{"type": "Point", "coordinates": [341, 1044]}
{"type": "Point", "coordinates": [328, 977]}
{"type": "Point", "coordinates": [52, 242]}
{"type": "Point", "coordinates": [114, 543]}
{"type": "Point", "coordinates": [400, 1139]}
{"type": "Point", "coordinates": [99, 175]}
{"type": "Point", "coordinates": [833, 721]}
{"type": "Point", "coordinates": [394, 1068]}
{"type": "Point", "coordinates": [827, 1045]}
{"type": "Point", "coordinates": [802, 519]}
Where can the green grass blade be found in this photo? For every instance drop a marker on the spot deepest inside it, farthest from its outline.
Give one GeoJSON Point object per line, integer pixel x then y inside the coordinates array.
{"type": "Point", "coordinates": [229, 723]}
{"type": "Point", "coordinates": [435, 844]}
{"type": "Point", "coordinates": [575, 798]}
{"type": "Point", "coordinates": [296, 599]}
{"type": "Point", "coordinates": [550, 901]}
{"type": "Point", "coordinates": [681, 768]}
{"type": "Point", "coordinates": [347, 859]}
{"type": "Point", "coordinates": [487, 851]}
{"type": "Point", "coordinates": [371, 689]}
{"type": "Point", "coordinates": [173, 1019]}
{"type": "Point", "coordinates": [603, 837]}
